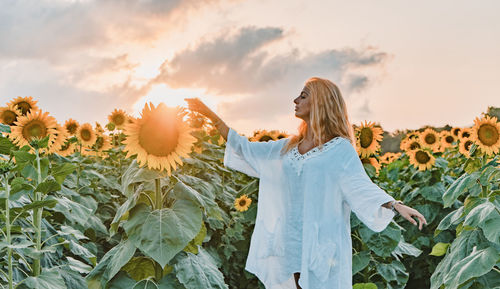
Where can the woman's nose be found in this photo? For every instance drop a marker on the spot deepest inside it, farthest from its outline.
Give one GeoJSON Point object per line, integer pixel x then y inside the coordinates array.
{"type": "Point", "coordinates": [295, 100]}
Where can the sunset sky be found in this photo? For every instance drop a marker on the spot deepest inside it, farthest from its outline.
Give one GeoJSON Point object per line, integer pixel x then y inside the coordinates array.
{"type": "Point", "coordinates": [403, 64]}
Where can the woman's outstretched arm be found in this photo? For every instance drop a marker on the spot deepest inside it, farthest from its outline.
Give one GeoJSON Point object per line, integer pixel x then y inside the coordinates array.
{"type": "Point", "coordinates": [195, 104]}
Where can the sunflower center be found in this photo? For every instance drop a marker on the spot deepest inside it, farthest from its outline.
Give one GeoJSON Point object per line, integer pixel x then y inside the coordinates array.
{"type": "Point", "coordinates": [34, 129]}
{"type": "Point", "coordinates": [159, 135]}
{"type": "Point", "coordinates": [430, 138]}
{"type": "Point", "coordinates": [71, 128]}
{"type": "Point", "coordinates": [24, 106]}
{"type": "Point", "coordinates": [467, 145]}
{"type": "Point", "coordinates": [455, 132]}
{"type": "Point", "coordinates": [465, 134]}
{"type": "Point", "coordinates": [85, 134]}
{"type": "Point", "coordinates": [449, 139]}
{"type": "Point", "coordinates": [366, 137]}
{"type": "Point", "coordinates": [414, 145]}
{"type": "Point", "coordinates": [99, 143]}
{"type": "Point", "coordinates": [422, 157]}
{"type": "Point", "coordinates": [280, 136]}
{"type": "Point", "coordinates": [118, 119]}
{"type": "Point", "coordinates": [265, 138]}
{"type": "Point", "coordinates": [488, 134]}
{"type": "Point", "coordinates": [9, 117]}
{"type": "Point", "coordinates": [243, 203]}
{"type": "Point", "coordinates": [365, 161]}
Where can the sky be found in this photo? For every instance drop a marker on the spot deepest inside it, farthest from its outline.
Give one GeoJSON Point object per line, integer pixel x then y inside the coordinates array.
{"type": "Point", "coordinates": [402, 64]}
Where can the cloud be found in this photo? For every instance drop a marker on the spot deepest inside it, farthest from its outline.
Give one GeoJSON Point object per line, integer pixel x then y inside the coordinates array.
{"type": "Point", "coordinates": [257, 86]}
{"type": "Point", "coordinates": [47, 29]}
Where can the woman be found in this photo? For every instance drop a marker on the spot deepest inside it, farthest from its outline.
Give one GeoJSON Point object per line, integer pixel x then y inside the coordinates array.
{"type": "Point", "coordinates": [308, 185]}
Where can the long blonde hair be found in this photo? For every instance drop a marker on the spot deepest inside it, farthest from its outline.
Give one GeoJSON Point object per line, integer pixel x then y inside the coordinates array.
{"type": "Point", "coordinates": [328, 117]}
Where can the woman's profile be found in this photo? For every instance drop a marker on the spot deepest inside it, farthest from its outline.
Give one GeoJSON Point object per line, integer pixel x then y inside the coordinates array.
{"type": "Point", "coordinates": [309, 183]}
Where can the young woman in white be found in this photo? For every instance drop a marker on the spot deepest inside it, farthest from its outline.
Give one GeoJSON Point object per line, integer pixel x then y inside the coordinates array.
{"type": "Point", "coordinates": [309, 183]}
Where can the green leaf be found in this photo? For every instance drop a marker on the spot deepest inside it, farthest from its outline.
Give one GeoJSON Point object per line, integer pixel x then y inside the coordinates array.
{"type": "Point", "coordinates": [23, 157]}
{"type": "Point", "coordinates": [5, 128]}
{"type": "Point", "coordinates": [135, 174]}
{"type": "Point", "coordinates": [161, 234]}
{"type": "Point", "coordinates": [110, 264]}
{"type": "Point", "coordinates": [59, 172]}
{"type": "Point", "coordinates": [406, 248]}
{"type": "Point", "coordinates": [381, 243]}
{"type": "Point", "coordinates": [478, 263]}
{"type": "Point", "coordinates": [48, 186]}
{"type": "Point", "coordinates": [199, 271]}
{"type": "Point", "coordinates": [394, 271]}
{"type": "Point", "coordinates": [359, 261]}
{"type": "Point", "coordinates": [48, 279]}
{"type": "Point", "coordinates": [192, 247]}
{"type": "Point", "coordinates": [486, 217]}
{"type": "Point", "coordinates": [439, 249]}
{"type": "Point", "coordinates": [121, 213]}
{"type": "Point", "coordinates": [5, 146]}
{"type": "Point", "coordinates": [464, 183]}
{"type": "Point", "coordinates": [78, 266]}
{"type": "Point", "coordinates": [198, 191]}
{"type": "Point", "coordinates": [140, 268]}
{"type": "Point", "coordinates": [364, 286]}
{"type": "Point", "coordinates": [73, 211]}
{"type": "Point", "coordinates": [452, 219]}
{"type": "Point", "coordinates": [145, 284]}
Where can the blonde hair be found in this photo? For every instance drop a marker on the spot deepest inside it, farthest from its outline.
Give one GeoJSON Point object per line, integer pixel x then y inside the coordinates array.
{"type": "Point", "coordinates": [328, 117]}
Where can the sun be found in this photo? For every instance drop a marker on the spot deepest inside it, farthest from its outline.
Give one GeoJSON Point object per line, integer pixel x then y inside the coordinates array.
{"type": "Point", "coordinates": [172, 97]}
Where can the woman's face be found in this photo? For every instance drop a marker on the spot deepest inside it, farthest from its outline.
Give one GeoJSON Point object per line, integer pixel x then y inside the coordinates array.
{"type": "Point", "coordinates": [302, 104]}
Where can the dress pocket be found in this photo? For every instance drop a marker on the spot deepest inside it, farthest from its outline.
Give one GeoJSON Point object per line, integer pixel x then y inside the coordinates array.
{"type": "Point", "coordinates": [323, 256]}
{"type": "Point", "coordinates": [271, 243]}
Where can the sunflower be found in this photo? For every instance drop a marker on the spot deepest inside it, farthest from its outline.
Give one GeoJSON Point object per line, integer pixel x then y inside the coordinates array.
{"type": "Point", "coordinates": [101, 145]}
{"type": "Point", "coordinates": [455, 132]}
{"type": "Point", "coordinates": [242, 203]}
{"type": "Point", "coordinates": [486, 134]}
{"type": "Point", "coordinates": [86, 134]}
{"type": "Point", "coordinates": [25, 104]}
{"type": "Point", "coordinates": [71, 126]}
{"type": "Point", "coordinates": [262, 136]}
{"type": "Point", "coordinates": [422, 159]}
{"type": "Point", "coordinates": [98, 128]}
{"type": "Point", "coordinates": [66, 149]}
{"type": "Point", "coordinates": [119, 118]}
{"type": "Point", "coordinates": [372, 161]}
{"type": "Point", "coordinates": [367, 138]}
{"type": "Point", "coordinates": [59, 140]}
{"type": "Point", "coordinates": [389, 157]}
{"type": "Point", "coordinates": [464, 146]}
{"type": "Point", "coordinates": [411, 145]}
{"type": "Point", "coordinates": [465, 132]}
{"type": "Point", "coordinates": [34, 125]}
{"type": "Point", "coordinates": [159, 137]}
{"type": "Point", "coordinates": [447, 139]}
{"type": "Point", "coordinates": [429, 138]}
{"type": "Point", "coordinates": [9, 114]}
{"type": "Point", "coordinates": [279, 134]}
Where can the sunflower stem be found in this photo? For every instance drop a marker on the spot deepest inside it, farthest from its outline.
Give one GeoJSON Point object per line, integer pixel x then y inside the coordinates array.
{"type": "Point", "coordinates": [158, 199]}
{"type": "Point", "coordinates": [7, 228]}
{"type": "Point", "coordinates": [37, 215]}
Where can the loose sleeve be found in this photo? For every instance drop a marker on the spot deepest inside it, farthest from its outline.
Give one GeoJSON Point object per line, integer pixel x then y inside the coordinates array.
{"type": "Point", "coordinates": [246, 156]}
{"type": "Point", "coordinates": [363, 196]}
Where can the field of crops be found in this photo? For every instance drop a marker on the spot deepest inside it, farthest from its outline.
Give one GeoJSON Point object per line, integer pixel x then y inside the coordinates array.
{"type": "Point", "coordinates": [147, 203]}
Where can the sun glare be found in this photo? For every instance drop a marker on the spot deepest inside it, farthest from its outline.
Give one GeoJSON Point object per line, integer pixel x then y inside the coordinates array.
{"type": "Point", "coordinates": [171, 97]}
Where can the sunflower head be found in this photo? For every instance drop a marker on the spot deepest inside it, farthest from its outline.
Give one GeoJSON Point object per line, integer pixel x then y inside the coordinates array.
{"type": "Point", "coordinates": [71, 126]}
{"type": "Point", "coordinates": [119, 118]}
{"type": "Point", "coordinates": [367, 138]}
{"type": "Point", "coordinates": [159, 137]}
{"type": "Point", "coordinates": [24, 104]}
{"type": "Point", "coordinates": [35, 125]}
{"type": "Point", "coordinates": [455, 132]}
{"type": "Point", "coordinates": [66, 149]}
{"type": "Point", "coordinates": [486, 134]}
{"type": "Point", "coordinates": [422, 159]}
{"type": "Point", "coordinates": [86, 134]}
{"type": "Point", "coordinates": [263, 136]}
{"type": "Point", "coordinates": [465, 146]}
{"type": "Point", "coordinates": [429, 138]}
{"type": "Point", "coordinates": [465, 132]}
{"type": "Point", "coordinates": [60, 138]}
{"type": "Point", "coordinates": [98, 128]}
{"type": "Point", "coordinates": [242, 203]}
{"type": "Point", "coordinates": [371, 161]}
{"type": "Point", "coordinates": [9, 114]}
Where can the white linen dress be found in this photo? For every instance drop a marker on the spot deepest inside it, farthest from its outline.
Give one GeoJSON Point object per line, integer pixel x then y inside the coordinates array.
{"type": "Point", "coordinates": [303, 213]}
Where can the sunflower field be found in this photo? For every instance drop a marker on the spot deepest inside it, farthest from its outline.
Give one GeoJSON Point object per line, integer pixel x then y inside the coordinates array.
{"type": "Point", "coordinates": [147, 203]}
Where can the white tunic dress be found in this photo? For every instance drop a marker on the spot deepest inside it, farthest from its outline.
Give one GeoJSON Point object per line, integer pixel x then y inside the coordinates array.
{"type": "Point", "coordinates": [303, 212]}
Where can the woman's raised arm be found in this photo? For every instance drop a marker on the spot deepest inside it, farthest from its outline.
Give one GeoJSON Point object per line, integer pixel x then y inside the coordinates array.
{"type": "Point", "coordinates": [195, 104]}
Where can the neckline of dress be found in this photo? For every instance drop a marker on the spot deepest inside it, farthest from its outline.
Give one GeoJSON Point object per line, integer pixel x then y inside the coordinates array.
{"type": "Point", "coordinates": [316, 148]}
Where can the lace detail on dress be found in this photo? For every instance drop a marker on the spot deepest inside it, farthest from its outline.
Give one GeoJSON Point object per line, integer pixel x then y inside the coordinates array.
{"type": "Point", "coordinates": [297, 159]}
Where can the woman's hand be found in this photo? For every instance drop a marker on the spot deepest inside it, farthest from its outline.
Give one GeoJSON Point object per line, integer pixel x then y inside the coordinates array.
{"type": "Point", "coordinates": [195, 104]}
{"type": "Point", "coordinates": [408, 213]}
